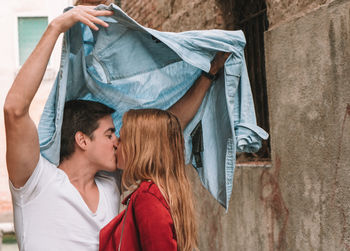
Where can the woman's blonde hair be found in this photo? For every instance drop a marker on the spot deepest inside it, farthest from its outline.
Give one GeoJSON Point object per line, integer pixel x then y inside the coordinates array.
{"type": "Point", "coordinates": [153, 145]}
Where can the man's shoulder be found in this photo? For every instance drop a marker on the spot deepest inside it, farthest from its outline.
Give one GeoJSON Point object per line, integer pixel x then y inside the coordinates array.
{"type": "Point", "coordinates": [43, 176]}
{"type": "Point", "coordinates": [45, 162]}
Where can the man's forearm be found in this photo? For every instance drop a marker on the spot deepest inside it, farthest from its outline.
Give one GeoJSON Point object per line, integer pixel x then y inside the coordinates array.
{"type": "Point", "coordinates": [188, 105]}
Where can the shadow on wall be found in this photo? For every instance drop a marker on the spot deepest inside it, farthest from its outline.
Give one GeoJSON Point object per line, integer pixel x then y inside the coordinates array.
{"type": "Point", "coordinates": [337, 189]}
{"type": "Point", "coordinates": [275, 207]}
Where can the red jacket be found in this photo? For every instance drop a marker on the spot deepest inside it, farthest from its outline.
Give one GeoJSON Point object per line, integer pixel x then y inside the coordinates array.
{"type": "Point", "coordinates": [148, 223]}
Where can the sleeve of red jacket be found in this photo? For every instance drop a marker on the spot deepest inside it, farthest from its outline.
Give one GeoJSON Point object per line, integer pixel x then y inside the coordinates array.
{"type": "Point", "coordinates": [154, 223]}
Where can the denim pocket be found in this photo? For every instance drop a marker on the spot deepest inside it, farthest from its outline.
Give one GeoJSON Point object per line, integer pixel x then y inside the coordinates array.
{"type": "Point", "coordinates": [232, 77]}
{"type": "Point", "coordinates": [233, 69]}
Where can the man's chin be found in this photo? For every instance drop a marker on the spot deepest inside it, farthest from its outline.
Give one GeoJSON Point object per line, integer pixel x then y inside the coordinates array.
{"type": "Point", "coordinates": [110, 169]}
{"type": "Point", "coordinates": [119, 168]}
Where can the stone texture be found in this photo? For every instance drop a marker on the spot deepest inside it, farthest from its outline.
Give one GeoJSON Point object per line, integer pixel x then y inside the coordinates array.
{"type": "Point", "coordinates": [175, 15]}
{"type": "Point", "coordinates": [282, 10]}
{"type": "Point", "coordinates": [301, 203]}
{"type": "Point", "coordinates": [308, 76]}
{"type": "Point", "coordinates": [244, 226]}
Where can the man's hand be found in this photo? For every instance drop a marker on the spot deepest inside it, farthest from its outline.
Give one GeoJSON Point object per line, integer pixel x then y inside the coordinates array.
{"type": "Point", "coordinates": [218, 62]}
{"type": "Point", "coordinates": [188, 105]}
{"type": "Point", "coordinates": [84, 14]}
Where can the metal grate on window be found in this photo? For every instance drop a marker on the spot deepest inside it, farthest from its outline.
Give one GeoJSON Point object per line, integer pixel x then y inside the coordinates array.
{"type": "Point", "coordinates": [252, 19]}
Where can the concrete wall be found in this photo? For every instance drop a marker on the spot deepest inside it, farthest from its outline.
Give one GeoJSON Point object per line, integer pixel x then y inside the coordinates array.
{"type": "Point", "coordinates": [301, 202]}
{"type": "Point", "coordinates": [245, 226]}
{"type": "Point", "coordinates": [308, 76]}
{"type": "Point", "coordinates": [282, 11]}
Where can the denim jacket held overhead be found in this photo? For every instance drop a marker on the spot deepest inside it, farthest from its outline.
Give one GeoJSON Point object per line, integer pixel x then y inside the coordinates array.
{"type": "Point", "coordinates": [128, 66]}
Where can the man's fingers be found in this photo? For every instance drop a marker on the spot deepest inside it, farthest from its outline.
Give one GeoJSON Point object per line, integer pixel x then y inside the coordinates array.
{"type": "Point", "coordinates": [221, 54]}
{"type": "Point", "coordinates": [98, 21]}
{"type": "Point", "coordinates": [220, 57]}
{"type": "Point", "coordinates": [104, 12]}
{"type": "Point", "coordinates": [89, 23]}
{"type": "Point", "coordinates": [91, 10]}
{"type": "Point", "coordinates": [219, 60]}
{"type": "Point", "coordinates": [85, 14]}
{"type": "Point", "coordinates": [94, 19]}
{"type": "Point", "coordinates": [91, 14]}
{"type": "Point", "coordinates": [98, 13]}
{"type": "Point", "coordinates": [226, 55]}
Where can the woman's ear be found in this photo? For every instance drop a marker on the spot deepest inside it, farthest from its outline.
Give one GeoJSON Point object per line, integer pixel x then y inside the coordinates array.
{"type": "Point", "coordinates": [81, 140]}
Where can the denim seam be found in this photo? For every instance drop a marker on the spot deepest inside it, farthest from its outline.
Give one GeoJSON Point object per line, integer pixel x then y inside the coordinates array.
{"type": "Point", "coordinates": [103, 67]}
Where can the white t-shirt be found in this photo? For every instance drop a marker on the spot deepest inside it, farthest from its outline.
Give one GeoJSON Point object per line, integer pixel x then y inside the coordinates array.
{"type": "Point", "coordinates": [50, 214]}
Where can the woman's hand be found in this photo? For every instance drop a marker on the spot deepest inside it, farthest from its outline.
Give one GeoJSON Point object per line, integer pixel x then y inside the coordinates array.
{"type": "Point", "coordinates": [218, 62]}
{"type": "Point", "coordinates": [84, 14]}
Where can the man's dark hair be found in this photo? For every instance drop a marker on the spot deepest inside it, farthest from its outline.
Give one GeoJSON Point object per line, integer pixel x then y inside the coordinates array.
{"type": "Point", "coordinates": [83, 116]}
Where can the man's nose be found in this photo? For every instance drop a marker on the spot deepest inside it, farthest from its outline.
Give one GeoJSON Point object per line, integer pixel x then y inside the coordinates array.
{"type": "Point", "coordinates": [115, 142]}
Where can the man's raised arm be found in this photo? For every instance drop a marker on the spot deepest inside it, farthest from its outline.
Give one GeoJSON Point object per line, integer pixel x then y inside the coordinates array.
{"type": "Point", "coordinates": [22, 140]}
{"type": "Point", "coordinates": [188, 105]}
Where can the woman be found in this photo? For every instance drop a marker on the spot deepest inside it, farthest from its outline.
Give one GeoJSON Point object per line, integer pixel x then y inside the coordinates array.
{"type": "Point", "coordinates": [159, 214]}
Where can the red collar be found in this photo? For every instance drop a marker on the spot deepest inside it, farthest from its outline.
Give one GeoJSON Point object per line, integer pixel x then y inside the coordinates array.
{"type": "Point", "coordinates": [146, 183]}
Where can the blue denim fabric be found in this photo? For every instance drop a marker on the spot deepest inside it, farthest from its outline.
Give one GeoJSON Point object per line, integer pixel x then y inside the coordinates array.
{"type": "Point", "coordinates": [128, 66]}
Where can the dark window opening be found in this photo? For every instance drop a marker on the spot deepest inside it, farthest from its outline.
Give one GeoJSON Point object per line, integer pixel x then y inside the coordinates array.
{"type": "Point", "coordinates": [251, 17]}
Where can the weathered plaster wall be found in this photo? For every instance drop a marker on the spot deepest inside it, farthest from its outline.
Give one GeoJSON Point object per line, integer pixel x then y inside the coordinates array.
{"type": "Point", "coordinates": [302, 202]}
{"type": "Point", "coordinates": [283, 10]}
{"type": "Point", "coordinates": [244, 226]}
{"type": "Point", "coordinates": [308, 76]}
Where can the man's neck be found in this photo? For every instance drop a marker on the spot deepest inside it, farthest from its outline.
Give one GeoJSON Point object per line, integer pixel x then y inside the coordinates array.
{"type": "Point", "coordinates": [80, 173]}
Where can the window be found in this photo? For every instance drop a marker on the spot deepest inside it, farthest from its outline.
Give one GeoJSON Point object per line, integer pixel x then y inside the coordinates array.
{"type": "Point", "coordinates": [30, 30]}
{"type": "Point", "coordinates": [251, 17]}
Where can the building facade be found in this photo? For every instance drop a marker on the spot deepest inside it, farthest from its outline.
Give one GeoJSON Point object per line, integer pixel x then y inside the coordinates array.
{"type": "Point", "coordinates": [299, 200]}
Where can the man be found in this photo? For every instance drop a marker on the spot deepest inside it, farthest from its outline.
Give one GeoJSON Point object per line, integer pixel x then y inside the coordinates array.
{"type": "Point", "coordinates": [64, 207]}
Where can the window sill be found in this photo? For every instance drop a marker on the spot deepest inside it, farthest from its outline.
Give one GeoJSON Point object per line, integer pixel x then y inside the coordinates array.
{"type": "Point", "coordinates": [254, 164]}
